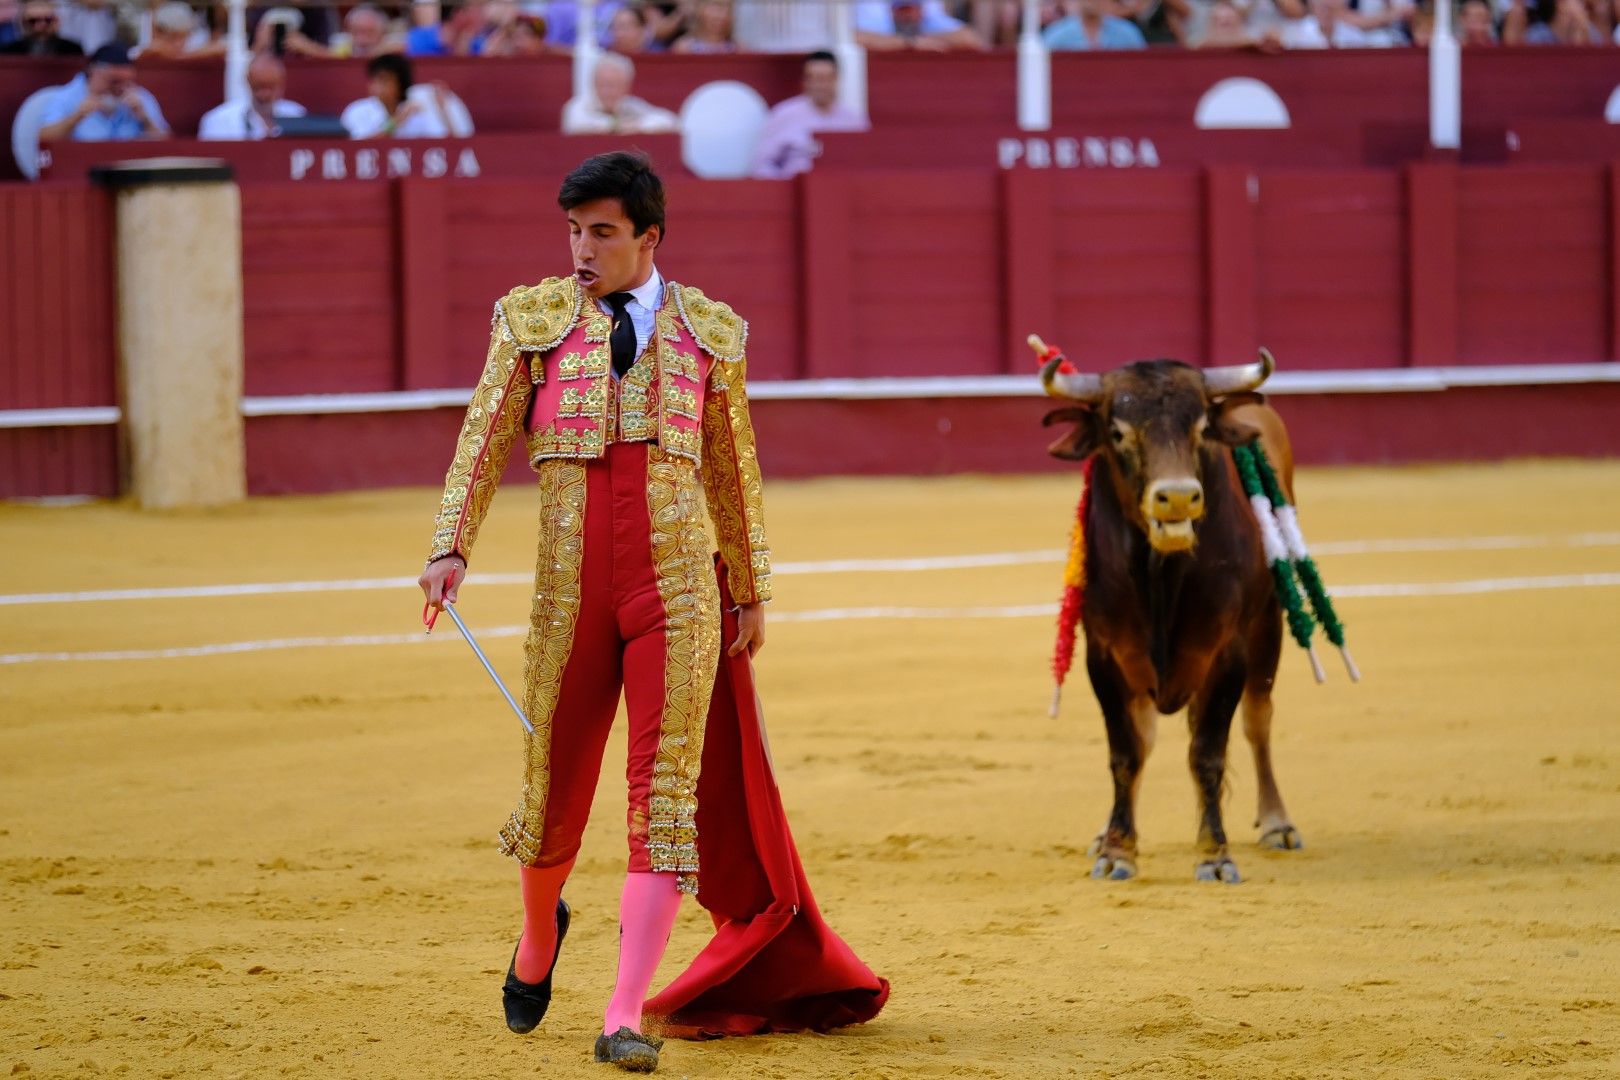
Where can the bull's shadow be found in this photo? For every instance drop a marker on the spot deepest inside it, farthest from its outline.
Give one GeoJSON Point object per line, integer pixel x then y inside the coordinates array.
{"type": "Point", "coordinates": [1180, 610]}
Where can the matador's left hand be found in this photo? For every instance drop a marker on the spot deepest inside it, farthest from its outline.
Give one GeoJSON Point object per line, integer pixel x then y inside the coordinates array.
{"type": "Point", "coordinates": [750, 630]}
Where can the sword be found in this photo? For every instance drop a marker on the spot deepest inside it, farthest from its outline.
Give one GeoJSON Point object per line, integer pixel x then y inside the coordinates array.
{"type": "Point", "coordinates": [482, 659]}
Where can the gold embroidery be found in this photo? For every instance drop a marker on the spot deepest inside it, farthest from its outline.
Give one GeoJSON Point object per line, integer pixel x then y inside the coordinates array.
{"type": "Point", "coordinates": [588, 403]}
{"type": "Point", "coordinates": [635, 425]}
{"type": "Point", "coordinates": [721, 332]}
{"type": "Point", "coordinates": [551, 637]}
{"type": "Point", "coordinates": [679, 400]}
{"type": "Point", "coordinates": [494, 418]}
{"type": "Point", "coordinates": [542, 315]}
{"type": "Point", "coordinates": [685, 442]}
{"type": "Point", "coordinates": [680, 551]}
{"type": "Point", "coordinates": [568, 367]}
{"type": "Point", "coordinates": [732, 480]}
{"type": "Point", "coordinates": [555, 442]}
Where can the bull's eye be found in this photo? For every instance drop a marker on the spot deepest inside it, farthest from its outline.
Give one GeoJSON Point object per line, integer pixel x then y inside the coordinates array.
{"type": "Point", "coordinates": [1119, 434]}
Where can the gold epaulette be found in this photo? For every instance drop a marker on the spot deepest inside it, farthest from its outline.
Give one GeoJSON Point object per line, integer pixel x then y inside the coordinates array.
{"type": "Point", "coordinates": [721, 332]}
{"type": "Point", "coordinates": [542, 315]}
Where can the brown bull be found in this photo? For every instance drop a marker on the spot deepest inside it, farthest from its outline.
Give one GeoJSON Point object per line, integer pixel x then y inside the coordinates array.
{"type": "Point", "coordinates": [1180, 610]}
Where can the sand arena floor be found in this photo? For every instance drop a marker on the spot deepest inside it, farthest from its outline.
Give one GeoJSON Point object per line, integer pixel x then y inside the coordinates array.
{"type": "Point", "coordinates": [279, 863]}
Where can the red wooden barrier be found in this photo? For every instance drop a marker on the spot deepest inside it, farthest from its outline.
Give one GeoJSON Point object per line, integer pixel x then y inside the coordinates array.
{"type": "Point", "coordinates": [1533, 265]}
{"type": "Point", "coordinates": [56, 338]}
{"type": "Point", "coordinates": [320, 296]}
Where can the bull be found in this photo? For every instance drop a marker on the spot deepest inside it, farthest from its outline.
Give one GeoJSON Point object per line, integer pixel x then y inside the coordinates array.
{"type": "Point", "coordinates": [1180, 609]}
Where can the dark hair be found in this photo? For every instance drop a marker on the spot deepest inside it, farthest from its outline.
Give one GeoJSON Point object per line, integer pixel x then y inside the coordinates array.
{"type": "Point", "coordinates": [113, 55]}
{"type": "Point", "coordinates": [820, 55]}
{"type": "Point", "coordinates": [392, 64]}
{"type": "Point", "coordinates": [623, 175]}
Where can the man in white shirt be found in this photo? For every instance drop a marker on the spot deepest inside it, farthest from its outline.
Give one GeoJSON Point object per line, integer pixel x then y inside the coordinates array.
{"type": "Point", "coordinates": [611, 109]}
{"type": "Point", "coordinates": [1324, 26]}
{"type": "Point", "coordinates": [255, 119]}
{"type": "Point", "coordinates": [788, 144]}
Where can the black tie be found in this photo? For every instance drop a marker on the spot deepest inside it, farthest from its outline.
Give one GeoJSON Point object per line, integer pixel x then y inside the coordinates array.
{"type": "Point", "coordinates": [623, 338]}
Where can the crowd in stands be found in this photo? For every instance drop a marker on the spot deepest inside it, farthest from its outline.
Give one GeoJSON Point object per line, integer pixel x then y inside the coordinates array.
{"type": "Point", "coordinates": [173, 28]}
{"type": "Point", "coordinates": [105, 102]}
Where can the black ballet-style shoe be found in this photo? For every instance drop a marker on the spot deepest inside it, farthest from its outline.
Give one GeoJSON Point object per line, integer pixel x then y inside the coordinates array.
{"type": "Point", "coordinates": [526, 1003]}
{"type": "Point", "coordinates": [629, 1050]}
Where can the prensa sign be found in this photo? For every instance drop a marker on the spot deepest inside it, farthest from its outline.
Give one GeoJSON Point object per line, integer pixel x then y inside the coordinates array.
{"type": "Point", "coordinates": [381, 163]}
{"type": "Point", "coordinates": [1085, 152]}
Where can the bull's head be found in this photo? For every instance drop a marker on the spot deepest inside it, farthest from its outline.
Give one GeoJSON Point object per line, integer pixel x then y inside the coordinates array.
{"type": "Point", "coordinates": [1151, 422]}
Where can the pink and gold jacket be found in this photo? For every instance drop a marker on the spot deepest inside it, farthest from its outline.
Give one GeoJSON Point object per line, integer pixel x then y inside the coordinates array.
{"type": "Point", "coordinates": [548, 379]}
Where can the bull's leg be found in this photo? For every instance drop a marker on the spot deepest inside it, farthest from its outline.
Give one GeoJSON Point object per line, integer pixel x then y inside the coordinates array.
{"type": "Point", "coordinates": [1130, 738]}
{"type": "Point", "coordinates": [1276, 830]}
{"type": "Point", "coordinates": [1210, 718]}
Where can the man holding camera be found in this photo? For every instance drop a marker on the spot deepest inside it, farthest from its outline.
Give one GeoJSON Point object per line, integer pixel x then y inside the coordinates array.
{"type": "Point", "coordinates": [104, 104]}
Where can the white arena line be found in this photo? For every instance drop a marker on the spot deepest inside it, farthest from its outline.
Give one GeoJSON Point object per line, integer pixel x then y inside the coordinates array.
{"type": "Point", "coordinates": [825, 566]}
{"type": "Point", "coordinates": [1017, 611]}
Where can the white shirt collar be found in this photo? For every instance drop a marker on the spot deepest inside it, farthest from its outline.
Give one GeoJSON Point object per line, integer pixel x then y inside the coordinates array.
{"type": "Point", "coordinates": [650, 293]}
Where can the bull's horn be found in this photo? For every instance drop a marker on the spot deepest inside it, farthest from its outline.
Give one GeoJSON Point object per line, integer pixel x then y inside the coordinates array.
{"type": "Point", "coordinates": [1075, 387]}
{"type": "Point", "coordinates": [1239, 377]}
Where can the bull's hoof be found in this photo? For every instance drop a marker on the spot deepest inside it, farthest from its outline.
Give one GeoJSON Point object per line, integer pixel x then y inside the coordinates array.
{"type": "Point", "coordinates": [1282, 838]}
{"type": "Point", "coordinates": [1114, 868]}
{"type": "Point", "coordinates": [1218, 870]}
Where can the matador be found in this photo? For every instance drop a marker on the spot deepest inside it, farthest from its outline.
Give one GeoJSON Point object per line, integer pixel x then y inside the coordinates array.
{"type": "Point", "coordinates": [628, 393]}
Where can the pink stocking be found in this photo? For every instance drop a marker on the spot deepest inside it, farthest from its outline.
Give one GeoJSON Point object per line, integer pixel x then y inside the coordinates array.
{"type": "Point", "coordinates": [646, 916]}
{"type": "Point", "coordinates": [538, 946]}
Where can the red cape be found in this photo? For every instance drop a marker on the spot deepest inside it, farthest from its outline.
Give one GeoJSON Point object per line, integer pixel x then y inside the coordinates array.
{"type": "Point", "coordinates": [773, 964]}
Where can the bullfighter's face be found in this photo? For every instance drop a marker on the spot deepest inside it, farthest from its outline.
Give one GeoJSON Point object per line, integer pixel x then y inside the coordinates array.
{"type": "Point", "coordinates": [608, 255]}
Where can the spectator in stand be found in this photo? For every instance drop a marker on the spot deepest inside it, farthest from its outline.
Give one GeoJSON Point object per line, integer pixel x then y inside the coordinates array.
{"type": "Point", "coordinates": [1086, 24]}
{"type": "Point", "coordinates": [788, 145]}
{"type": "Point", "coordinates": [366, 32]}
{"type": "Point", "coordinates": [91, 23]}
{"type": "Point", "coordinates": [392, 111]}
{"type": "Point", "coordinates": [627, 31]}
{"type": "Point", "coordinates": [10, 22]}
{"type": "Point", "coordinates": [1263, 19]}
{"type": "Point", "coordinates": [175, 34]}
{"type": "Point", "coordinates": [905, 24]}
{"type": "Point", "coordinates": [1001, 22]}
{"type": "Point", "coordinates": [103, 104]}
{"type": "Point", "coordinates": [528, 36]}
{"type": "Point", "coordinates": [1322, 27]}
{"type": "Point", "coordinates": [611, 109]}
{"type": "Point", "coordinates": [709, 30]}
{"type": "Point", "coordinates": [499, 34]}
{"type": "Point", "coordinates": [476, 28]}
{"type": "Point", "coordinates": [1162, 22]}
{"type": "Point", "coordinates": [562, 19]}
{"type": "Point", "coordinates": [40, 24]}
{"type": "Point", "coordinates": [1476, 27]}
{"type": "Point", "coordinates": [234, 121]}
{"type": "Point", "coordinates": [1224, 28]}
{"type": "Point", "coordinates": [1382, 23]}
{"type": "Point", "coordinates": [1550, 22]}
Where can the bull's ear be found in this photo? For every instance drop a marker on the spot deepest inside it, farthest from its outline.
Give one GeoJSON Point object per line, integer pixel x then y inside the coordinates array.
{"type": "Point", "coordinates": [1228, 422]}
{"type": "Point", "coordinates": [1082, 440]}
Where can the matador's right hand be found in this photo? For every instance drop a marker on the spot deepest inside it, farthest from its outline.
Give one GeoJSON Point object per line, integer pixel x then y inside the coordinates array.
{"type": "Point", "coordinates": [441, 579]}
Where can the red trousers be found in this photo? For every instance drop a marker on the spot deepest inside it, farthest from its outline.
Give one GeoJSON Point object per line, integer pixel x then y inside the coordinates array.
{"type": "Point", "coordinates": [625, 599]}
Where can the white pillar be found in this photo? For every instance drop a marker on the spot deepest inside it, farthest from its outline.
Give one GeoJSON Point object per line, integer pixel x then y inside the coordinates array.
{"type": "Point", "coordinates": [236, 51]}
{"type": "Point", "coordinates": [179, 259]}
{"type": "Point", "coordinates": [586, 48]}
{"type": "Point", "coordinates": [1445, 82]}
{"type": "Point", "coordinates": [1034, 73]}
{"type": "Point", "coordinates": [851, 61]}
